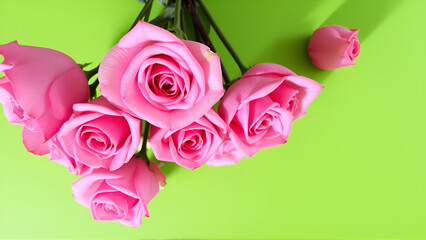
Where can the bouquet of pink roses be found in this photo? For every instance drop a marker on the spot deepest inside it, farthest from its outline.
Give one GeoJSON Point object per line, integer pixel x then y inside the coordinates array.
{"type": "Point", "coordinates": [161, 88]}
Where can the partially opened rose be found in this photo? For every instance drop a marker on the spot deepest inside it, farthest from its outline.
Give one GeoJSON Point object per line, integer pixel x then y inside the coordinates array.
{"type": "Point", "coordinates": [261, 106]}
{"type": "Point", "coordinates": [38, 91]}
{"type": "Point", "coordinates": [121, 195]}
{"type": "Point", "coordinates": [99, 135]}
{"type": "Point", "coordinates": [333, 47]}
{"type": "Point", "coordinates": [192, 145]}
{"type": "Point", "coordinates": [158, 77]}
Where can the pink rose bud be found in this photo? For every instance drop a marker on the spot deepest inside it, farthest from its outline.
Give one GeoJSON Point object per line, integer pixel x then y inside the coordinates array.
{"type": "Point", "coordinates": [38, 91]}
{"type": "Point", "coordinates": [121, 195]}
{"type": "Point", "coordinates": [333, 47]}
{"type": "Point", "coordinates": [192, 145]}
{"type": "Point", "coordinates": [99, 135]}
{"type": "Point", "coordinates": [261, 106]}
{"type": "Point", "coordinates": [158, 77]}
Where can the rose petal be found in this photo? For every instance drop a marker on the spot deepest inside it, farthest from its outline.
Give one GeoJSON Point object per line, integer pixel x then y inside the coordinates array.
{"type": "Point", "coordinates": [308, 91]}
{"type": "Point", "coordinates": [148, 185]}
{"type": "Point", "coordinates": [85, 187]}
{"type": "Point", "coordinates": [161, 178]}
{"type": "Point", "coordinates": [34, 95]}
{"type": "Point", "coordinates": [227, 154]}
{"type": "Point", "coordinates": [34, 142]}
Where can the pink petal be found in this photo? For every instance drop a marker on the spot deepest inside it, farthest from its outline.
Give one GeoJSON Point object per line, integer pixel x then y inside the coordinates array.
{"type": "Point", "coordinates": [146, 184]}
{"type": "Point", "coordinates": [4, 66]}
{"type": "Point", "coordinates": [308, 91]}
{"type": "Point", "coordinates": [268, 69]}
{"type": "Point", "coordinates": [10, 104]}
{"type": "Point", "coordinates": [160, 147]}
{"type": "Point", "coordinates": [161, 178]}
{"type": "Point", "coordinates": [88, 185]}
{"type": "Point", "coordinates": [34, 143]}
{"type": "Point", "coordinates": [245, 90]}
{"type": "Point", "coordinates": [143, 34]}
{"type": "Point", "coordinates": [227, 154]}
{"type": "Point", "coordinates": [125, 183]}
{"type": "Point", "coordinates": [112, 68]}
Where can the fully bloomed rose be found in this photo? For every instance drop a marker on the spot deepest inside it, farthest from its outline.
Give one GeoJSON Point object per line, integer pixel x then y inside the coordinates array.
{"type": "Point", "coordinates": [158, 77]}
{"type": "Point", "coordinates": [333, 47]}
{"type": "Point", "coordinates": [99, 135]}
{"type": "Point", "coordinates": [192, 145]}
{"type": "Point", "coordinates": [261, 106]}
{"type": "Point", "coordinates": [38, 91]}
{"type": "Point", "coordinates": [121, 195]}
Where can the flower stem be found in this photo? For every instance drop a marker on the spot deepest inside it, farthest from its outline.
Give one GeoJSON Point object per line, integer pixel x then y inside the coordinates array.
{"type": "Point", "coordinates": [177, 23]}
{"type": "Point", "coordinates": [146, 10]}
{"type": "Point", "coordinates": [240, 64]}
{"type": "Point", "coordinates": [142, 153]}
{"type": "Point", "coordinates": [199, 29]}
{"type": "Point", "coordinates": [196, 32]}
{"type": "Point", "coordinates": [145, 136]}
{"type": "Point", "coordinates": [149, 3]}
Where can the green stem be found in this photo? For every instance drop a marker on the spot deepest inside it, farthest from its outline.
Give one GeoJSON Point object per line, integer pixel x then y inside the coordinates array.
{"type": "Point", "coordinates": [177, 23]}
{"type": "Point", "coordinates": [240, 64]}
{"type": "Point", "coordinates": [149, 3]}
{"type": "Point", "coordinates": [145, 10]}
{"type": "Point", "coordinates": [143, 153]}
{"type": "Point", "coordinates": [145, 138]}
{"type": "Point", "coordinates": [200, 31]}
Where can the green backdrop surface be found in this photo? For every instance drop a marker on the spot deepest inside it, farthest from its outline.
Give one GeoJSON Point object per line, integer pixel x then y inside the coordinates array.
{"type": "Point", "coordinates": [353, 168]}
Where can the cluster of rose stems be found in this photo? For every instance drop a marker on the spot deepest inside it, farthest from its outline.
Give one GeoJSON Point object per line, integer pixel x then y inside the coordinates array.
{"type": "Point", "coordinates": [201, 35]}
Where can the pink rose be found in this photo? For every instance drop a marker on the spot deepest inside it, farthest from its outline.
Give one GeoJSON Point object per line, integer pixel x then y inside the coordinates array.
{"type": "Point", "coordinates": [260, 107]}
{"type": "Point", "coordinates": [333, 47]}
{"type": "Point", "coordinates": [38, 91]}
{"type": "Point", "coordinates": [192, 145]}
{"type": "Point", "coordinates": [227, 154]}
{"type": "Point", "coordinates": [99, 135]}
{"type": "Point", "coordinates": [158, 77]}
{"type": "Point", "coordinates": [121, 195]}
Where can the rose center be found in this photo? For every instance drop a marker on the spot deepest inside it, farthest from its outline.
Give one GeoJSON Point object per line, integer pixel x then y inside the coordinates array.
{"type": "Point", "coordinates": [262, 125]}
{"type": "Point", "coordinates": [94, 141]}
{"type": "Point", "coordinates": [163, 82]}
{"type": "Point", "coordinates": [97, 143]}
{"type": "Point", "coordinates": [113, 210]}
{"type": "Point", "coordinates": [193, 142]}
{"type": "Point", "coordinates": [355, 50]}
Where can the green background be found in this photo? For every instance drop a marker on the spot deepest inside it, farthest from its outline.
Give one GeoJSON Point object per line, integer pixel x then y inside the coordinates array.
{"type": "Point", "coordinates": [353, 168]}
